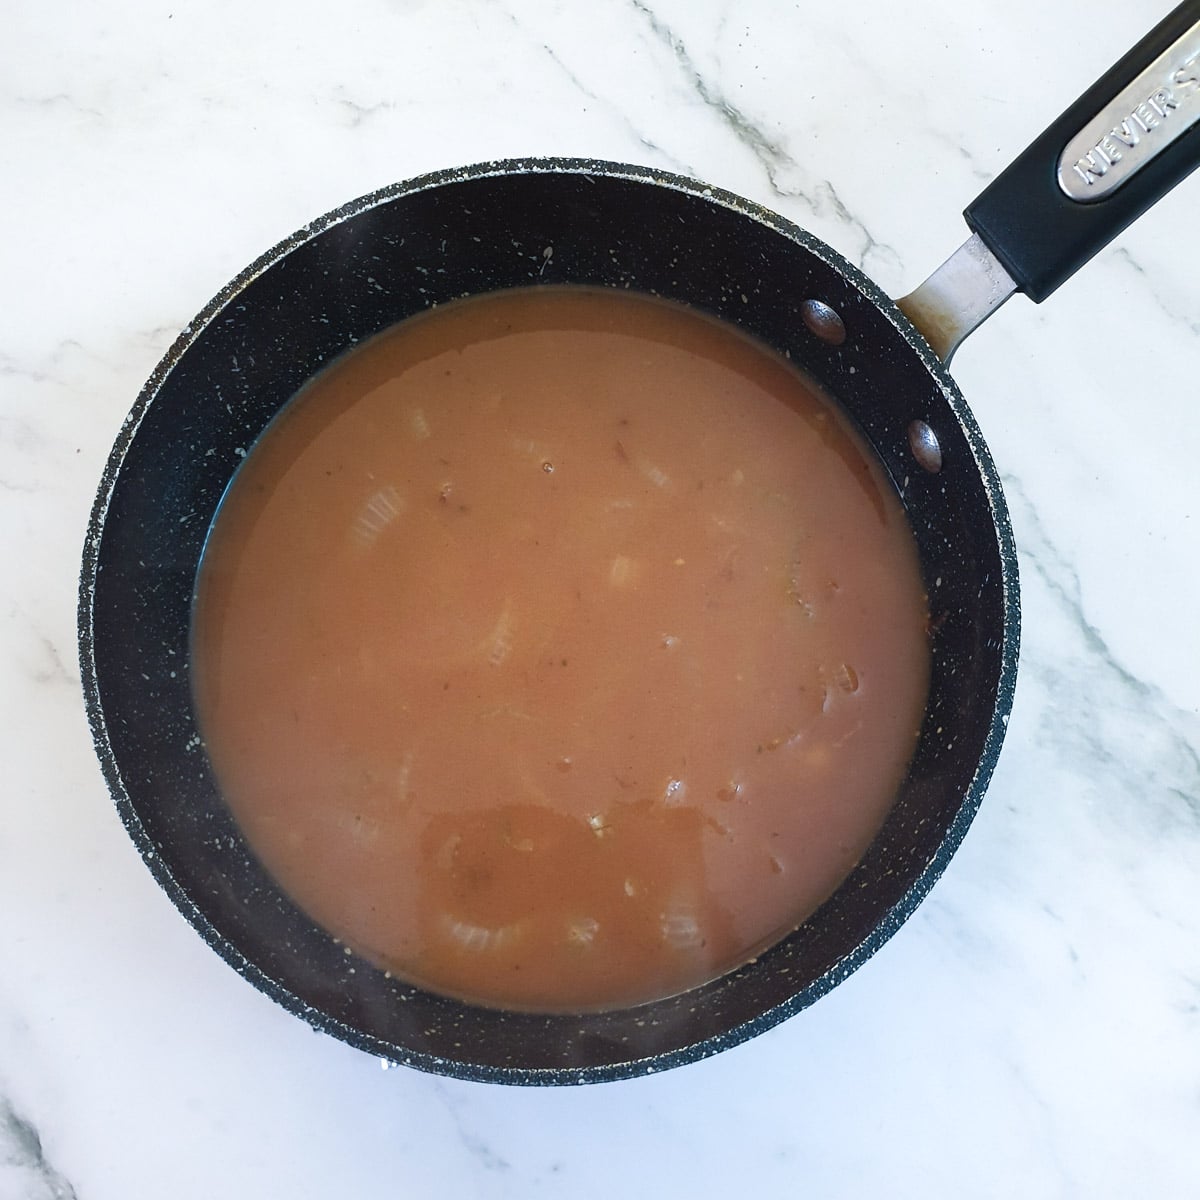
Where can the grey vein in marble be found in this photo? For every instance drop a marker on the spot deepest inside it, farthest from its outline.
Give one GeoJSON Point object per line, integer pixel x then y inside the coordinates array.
{"type": "Point", "coordinates": [1120, 252]}
{"type": "Point", "coordinates": [480, 1150]}
{"type": "Point", "coordinates": [818, 195]}
{"type": "Point", "coordinates": [51, 668]}
{"type": "Point", "coordinates": [639, 134]}
{"type": "Point", "coordinates": [357, 113]}
{"type": "Point", "coordinates": [1146, 717]}
{"type": "Point", "coordinates": [10, 368]}
{"type": "Point", "coordinates": [51, 105]}
{"type": "Point", "coordinates": [978, 172]}
{"type": "Point", "coordinates": [23, 1165]}
{"type": "Point", "coordinates": [21, 489]}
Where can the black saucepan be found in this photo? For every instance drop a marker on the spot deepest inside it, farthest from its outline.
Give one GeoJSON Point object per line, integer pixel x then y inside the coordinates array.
{"type": "Point", "coordinates": [545, 222]}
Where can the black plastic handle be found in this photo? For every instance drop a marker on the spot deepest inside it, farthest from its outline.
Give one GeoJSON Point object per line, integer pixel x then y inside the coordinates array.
{"type": "Point", "coordinates": [1040, 234]}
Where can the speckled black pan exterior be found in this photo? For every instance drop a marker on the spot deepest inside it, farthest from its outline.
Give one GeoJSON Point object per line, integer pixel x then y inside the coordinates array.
{"type": "Point", "coordinates": [375, 262]}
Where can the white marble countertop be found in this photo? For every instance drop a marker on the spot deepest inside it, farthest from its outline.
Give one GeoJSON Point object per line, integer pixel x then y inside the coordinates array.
{"type": "Point", "coordinates": [1034, 1030]}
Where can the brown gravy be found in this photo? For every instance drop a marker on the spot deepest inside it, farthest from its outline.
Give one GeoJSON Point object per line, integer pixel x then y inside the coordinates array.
{"type": "Point", "coordinates": [560, 649]}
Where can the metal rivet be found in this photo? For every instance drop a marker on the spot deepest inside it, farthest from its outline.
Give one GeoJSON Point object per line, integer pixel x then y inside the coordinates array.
{"type": "Point", "coordinates": [925, 447]}
{"type": "Point", "coordinates": [823, 322]}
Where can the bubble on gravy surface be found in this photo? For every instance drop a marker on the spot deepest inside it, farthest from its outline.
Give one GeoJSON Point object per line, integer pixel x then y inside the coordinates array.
{"type": "Point", "coordinates": [560, 649]}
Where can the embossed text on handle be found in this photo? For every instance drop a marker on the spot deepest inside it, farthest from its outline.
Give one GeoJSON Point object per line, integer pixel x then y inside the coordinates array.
{"type": "Point", "coordinates": [1145, 117]}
